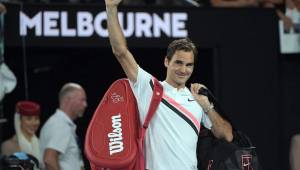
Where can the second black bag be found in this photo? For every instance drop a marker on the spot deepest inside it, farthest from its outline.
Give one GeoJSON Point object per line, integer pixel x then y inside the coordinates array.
{"type": "Point", "coordinates": [218, 154]}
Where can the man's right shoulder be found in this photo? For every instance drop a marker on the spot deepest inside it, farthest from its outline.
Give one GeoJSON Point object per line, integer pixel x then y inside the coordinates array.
{"type": "Point", "coordinates": [143, 75]}
{"type": "Point", "coordinates": [54, 123]}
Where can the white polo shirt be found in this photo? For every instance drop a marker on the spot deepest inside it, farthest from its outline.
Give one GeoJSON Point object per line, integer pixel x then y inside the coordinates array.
{"type": "Point", "coordinates": [58, 133]}
{"type": "Point", "coordinates": [171, 138]}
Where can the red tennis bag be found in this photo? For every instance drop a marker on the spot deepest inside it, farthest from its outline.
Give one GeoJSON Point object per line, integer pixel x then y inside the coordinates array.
{"type": "Point", "coordinates": [114, 138]}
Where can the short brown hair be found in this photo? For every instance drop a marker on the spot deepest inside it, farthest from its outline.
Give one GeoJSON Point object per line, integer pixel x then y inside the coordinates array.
{"type": "Point", "coordinates": [184, 44]}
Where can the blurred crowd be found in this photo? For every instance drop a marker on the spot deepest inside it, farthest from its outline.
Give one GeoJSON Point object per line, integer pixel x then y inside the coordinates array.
{"type": "Point", "coordinates": [212, 3]}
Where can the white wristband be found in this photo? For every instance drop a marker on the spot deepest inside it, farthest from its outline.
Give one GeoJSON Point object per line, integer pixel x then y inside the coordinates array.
{"type": "Point", "coordinates": [210, 107]}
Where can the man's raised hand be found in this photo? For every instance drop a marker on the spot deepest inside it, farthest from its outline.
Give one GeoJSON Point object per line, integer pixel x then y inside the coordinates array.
{"type": "Point", "coordinates": [112, 2]}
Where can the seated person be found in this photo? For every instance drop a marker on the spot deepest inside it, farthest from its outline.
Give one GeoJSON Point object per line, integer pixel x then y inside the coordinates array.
{"type": "Point", "coordinates": [290, 15]}
{"type": "Point", "coordinates": [234, 3]}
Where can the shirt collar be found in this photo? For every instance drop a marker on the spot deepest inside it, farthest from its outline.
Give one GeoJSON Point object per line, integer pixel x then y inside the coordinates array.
{"type": "Point", "coordinates": [172, 89]}
{"type": "Point", "coordinates": [66, 117]}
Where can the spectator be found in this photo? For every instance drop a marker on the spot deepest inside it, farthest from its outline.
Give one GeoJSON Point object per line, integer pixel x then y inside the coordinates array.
{"type": "Point", "coordinates": [291, 16]}
{"type": "Point", "coordinates": [59, 145]}
{"type": "Point", "coordinates": [234, 3]}
{"type": "Point", "coordinates": [26, 122]}
{"type": "Point", "coordinates": [295, 152]}
{"type": "Point", "coordinates": [2, 8]}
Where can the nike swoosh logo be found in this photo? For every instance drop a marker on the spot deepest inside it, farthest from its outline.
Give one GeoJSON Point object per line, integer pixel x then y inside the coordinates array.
{"type": "Point", "coordinates": [190, 100]}
{"type": "Point", "coordinates": [246, 164]}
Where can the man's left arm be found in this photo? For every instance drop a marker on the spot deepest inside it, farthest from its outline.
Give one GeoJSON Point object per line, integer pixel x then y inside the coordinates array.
{"type": "Point", "coordinates": [220, 127]}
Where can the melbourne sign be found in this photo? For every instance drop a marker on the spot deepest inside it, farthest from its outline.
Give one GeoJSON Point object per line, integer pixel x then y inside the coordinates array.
{"type": "Point", "coordinates": [134, 24]}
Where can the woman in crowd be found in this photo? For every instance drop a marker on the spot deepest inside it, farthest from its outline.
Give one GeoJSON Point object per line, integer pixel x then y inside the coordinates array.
{"type": "Point", "coordinates": [26, 122]}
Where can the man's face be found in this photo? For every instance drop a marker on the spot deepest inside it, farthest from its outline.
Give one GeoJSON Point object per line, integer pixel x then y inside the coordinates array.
{"type": "Point", "coordinates": [78, 102]}
{"type": "Point", "coordinates": [179, 68]}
